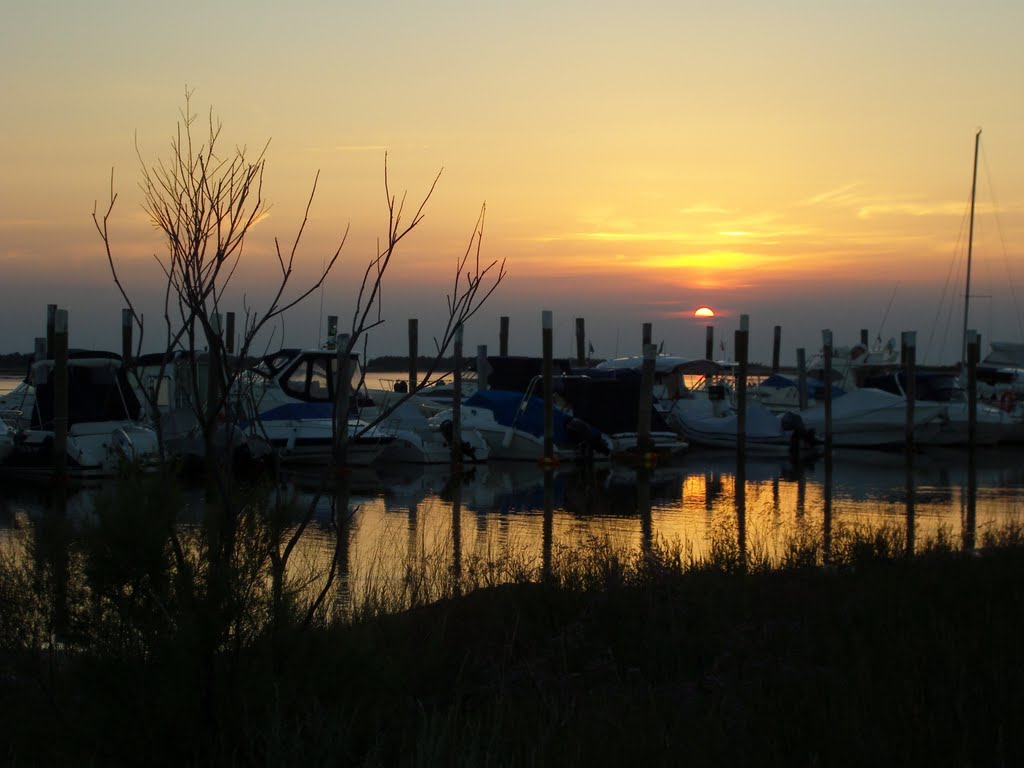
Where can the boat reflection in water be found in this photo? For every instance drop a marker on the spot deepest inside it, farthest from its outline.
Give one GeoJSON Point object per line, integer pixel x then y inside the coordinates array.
{"type": "Point", "coordinates": [518, 518]}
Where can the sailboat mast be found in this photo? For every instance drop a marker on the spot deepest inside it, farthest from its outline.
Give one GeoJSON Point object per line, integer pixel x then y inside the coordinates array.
{"type": "Point", "coordinates": [970, 247]}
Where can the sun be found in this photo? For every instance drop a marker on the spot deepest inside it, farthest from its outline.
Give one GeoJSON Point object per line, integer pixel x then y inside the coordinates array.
{"type": "Point", "coordinates": [704, 312]}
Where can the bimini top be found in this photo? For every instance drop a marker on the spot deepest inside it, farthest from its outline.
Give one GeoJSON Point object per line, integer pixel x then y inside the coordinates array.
{"type": "Point", "coordinates": [667, 364]}
{"type": "Point", "coordinates": [1005, 353]}
{"type": "Point", "coordinates": [97, 391]}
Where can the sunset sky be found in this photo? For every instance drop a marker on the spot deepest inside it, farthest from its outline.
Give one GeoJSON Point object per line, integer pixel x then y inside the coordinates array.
{"type": "Point", "coordinates": [804, 163]}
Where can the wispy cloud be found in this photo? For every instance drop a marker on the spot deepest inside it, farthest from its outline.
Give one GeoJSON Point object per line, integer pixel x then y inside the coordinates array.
{"type": "Point", "coordinates": [22, 223]}
{"type": "Point", "coordinates": [701, 209]}
{"type": "Point", "coordinates": [867, 206]}
{"type": "Point", "coordinates": [351, 148]}
{"type": "Point", "coordinates": [839, 197]}
{"type": "Point", "coordinates": [910, 209]}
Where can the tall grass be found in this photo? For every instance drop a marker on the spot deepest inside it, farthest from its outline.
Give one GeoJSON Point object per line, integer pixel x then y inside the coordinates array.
{"type": "Point", "coordinates": [213, 645]}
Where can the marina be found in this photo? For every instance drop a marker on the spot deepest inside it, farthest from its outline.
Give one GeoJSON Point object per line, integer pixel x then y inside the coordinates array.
{"type": "Point", "coordinates": [516, 511]}
{"type": "Point", "coordinates": [512, 385]}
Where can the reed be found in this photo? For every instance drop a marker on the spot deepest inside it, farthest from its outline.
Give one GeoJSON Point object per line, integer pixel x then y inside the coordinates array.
{"type": "Point", "coordinates": [648, 655]}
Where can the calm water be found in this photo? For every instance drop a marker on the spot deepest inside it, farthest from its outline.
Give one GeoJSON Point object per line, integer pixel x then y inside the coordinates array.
{"type": "Point", "coordinates": [7, 383]}
{"type": "Point", "coordinates": [406, 514]}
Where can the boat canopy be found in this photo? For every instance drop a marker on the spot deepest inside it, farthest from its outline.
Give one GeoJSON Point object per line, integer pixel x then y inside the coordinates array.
{"type": "Point", "coordinates": [1005, 353]}
{"type": "Point", "coordinates": [98, 390]}
{"type": "Point", "coordinates": [514, 374]}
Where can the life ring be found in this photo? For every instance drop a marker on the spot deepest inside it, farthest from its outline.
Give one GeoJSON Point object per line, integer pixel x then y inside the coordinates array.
{"type": "Point", "coordinates": [1007, 400]}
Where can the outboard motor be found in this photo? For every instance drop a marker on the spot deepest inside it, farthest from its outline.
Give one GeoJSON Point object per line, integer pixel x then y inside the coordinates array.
{"type": "Point", "coordinates": [717, 397]}
{"type": "Point", "coordinates": [448, 433]}
{"type": "Point", "coordinates": [587, 440]}
{"type": "Point", "coordinates": [799, 435]}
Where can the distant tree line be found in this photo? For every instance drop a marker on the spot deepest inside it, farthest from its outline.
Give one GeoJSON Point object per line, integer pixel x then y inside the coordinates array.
{"type": "Point", "coordinates": [401, 363]}
{"type": "Point", "coordinates": [15, 362]}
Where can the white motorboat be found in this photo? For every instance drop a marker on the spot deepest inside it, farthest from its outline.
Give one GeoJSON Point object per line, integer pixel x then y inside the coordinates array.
{"type": "Point", "coordinates": [437, 397]}
{"type": "Point", "coordinates": [6, 440]}
{"type": "Point", "coordinates": [175, 388]}
{"type": "Point", "coordinates": [512, 426]}
{"type": "Point", "coordinates": [418, 440]}
{"type": "Point", "coordinates": [850, 366]}
{"type": "Point", "coordinates": [106, 427]}
{"type": "Point", "coordinates": [992, 424]}
{"type": "Point", "coordinates": [16, 405]}
{"type": "Point", "coordinates": [290, 400]}
{"type": "Point", "coordinates": [431, 443]}
{"type": "Point", "coordinates": [871, 417]}
{"type": "Point", "coordinates": [674, 376]}
{"type": "Point", "coordinates": [697, 400]}
{"type": "Point", "coordinates": [592, 419]}
{"type": "Point", "coordinates": [713, 421]}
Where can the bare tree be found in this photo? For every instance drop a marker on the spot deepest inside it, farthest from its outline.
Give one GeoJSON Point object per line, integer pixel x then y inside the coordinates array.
{"type": "Point", "coordinates": [205, 203]}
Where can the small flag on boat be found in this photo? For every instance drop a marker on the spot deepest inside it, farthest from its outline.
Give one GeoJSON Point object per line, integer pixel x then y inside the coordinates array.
{"type": "Point", "coordinates": [590, 348]}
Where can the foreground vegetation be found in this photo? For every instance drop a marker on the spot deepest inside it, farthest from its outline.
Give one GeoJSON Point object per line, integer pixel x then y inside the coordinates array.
{"type": "Point", "coordinates": [116, 650]}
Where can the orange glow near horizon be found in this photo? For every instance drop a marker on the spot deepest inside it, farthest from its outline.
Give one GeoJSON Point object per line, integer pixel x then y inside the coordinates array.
{"type": "Point", "coordinates": [617, 188]}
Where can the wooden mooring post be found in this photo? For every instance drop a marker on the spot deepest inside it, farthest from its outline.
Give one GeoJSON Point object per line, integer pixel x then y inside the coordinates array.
{"type": "Point", "coordinates": [342, 399]}
{"type": "Point", "coordinates": [483, 368]}
{"type": "Point", "coordinates": [126, 337]}
{"type": "Point", "coordinates": [776, 346]}
{"type": "Point", "coordinates": [414, 352]}
{"type": "Point", "coordinates": [548, 526]}
{"type": "Point", "coordinates": [645, 335]}
{"type": "Point", "coordinates": [59, 352]}
{"type": "Point", "coordinates": [51, 319]}
{"type": "Point", "coordinates": [742, 342]}
{"type": "Point", "coordinates": [709, 343]}
{"type": "Point", "coordinates": [973, 356]}
{"type": "Point", "coordinates": [229, 333]}
{"type": "Point", "coordinates": [214, 375]}
{"type": "Point", "coordinates": [826, 353]}
{"type": "Point", "coordinates": [455, 489]}
{"type": "Point", "coordinates": [909, 356]}
{"type": "Point", "coordinates": [547, 330]}
{"type": "Point", "coordinates": [581, 342]}
{"type": "Point", "coordinates": [970, 518]}
{"type": "Point", "coordinates": [908, 350]}
{"type": "Point", "coordinates": [643, 504]}
{"type": "Point", "coordinates": [456, 446]}
{"type": "Point", "coordinates": [503, 337]}
{"type": "Point", "coordinates": [646, 403]}
{"type": "Point", "coordinates": [801, 376]}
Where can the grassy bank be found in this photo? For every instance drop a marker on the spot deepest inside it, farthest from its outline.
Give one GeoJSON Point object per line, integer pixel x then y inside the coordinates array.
{"type": "Point", "coordinates": [609, 657]}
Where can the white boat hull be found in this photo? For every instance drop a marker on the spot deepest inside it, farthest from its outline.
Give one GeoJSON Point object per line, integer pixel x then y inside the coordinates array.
{"type": "Point", "coordinates": [95, 450]}
{"type": "Point", "coordinates": [872, 418]}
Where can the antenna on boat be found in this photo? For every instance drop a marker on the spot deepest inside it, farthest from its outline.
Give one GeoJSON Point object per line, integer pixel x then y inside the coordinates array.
{"type": "Point", "coordinates": [320, 322]}
{"type": "Point", "coordinates": [970, 246]}
{"type": "Point", "coordinates": [886, 315]}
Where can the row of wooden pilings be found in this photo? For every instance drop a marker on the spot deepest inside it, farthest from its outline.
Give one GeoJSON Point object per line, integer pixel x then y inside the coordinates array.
{"type": "Point", "coordinates": [741, 352]}
{"type": "Point", "coordinates": [650, 352]}
{"type": "Point", "coordinates": [55, 346]}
